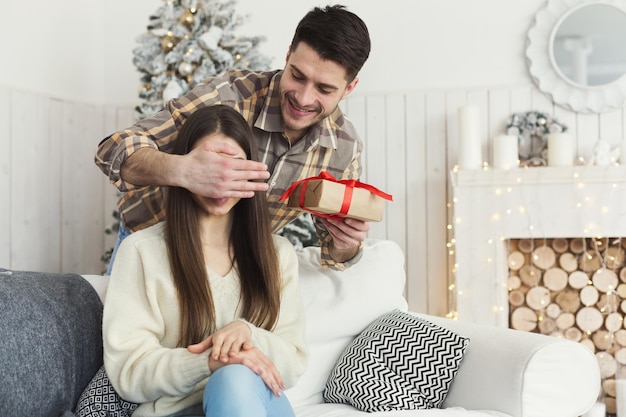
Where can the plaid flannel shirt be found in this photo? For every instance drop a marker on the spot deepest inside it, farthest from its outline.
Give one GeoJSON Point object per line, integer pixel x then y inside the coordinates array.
{"type": "Point", "coordinates": [331, 145]}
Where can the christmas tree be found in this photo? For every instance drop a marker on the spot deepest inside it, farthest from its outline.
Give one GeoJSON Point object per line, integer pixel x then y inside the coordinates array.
{"type": "Point", "coordinates": [186, 42]}
{"type": "Point", "coordinates": [301, 232]}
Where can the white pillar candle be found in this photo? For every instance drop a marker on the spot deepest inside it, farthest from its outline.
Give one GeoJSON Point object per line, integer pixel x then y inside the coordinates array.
{"type": "Point", "coordinates": [505, 152]}
{"type": "Point", "coordinates": [560, 149]}
{"type": "Point", "coordinates": [470, 153]}
{"type": "Point", "coordinates": [620, 397]}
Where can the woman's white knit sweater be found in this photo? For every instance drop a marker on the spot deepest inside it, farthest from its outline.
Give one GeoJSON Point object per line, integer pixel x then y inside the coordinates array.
{"type": "Point", "coordinates": [141, 326]}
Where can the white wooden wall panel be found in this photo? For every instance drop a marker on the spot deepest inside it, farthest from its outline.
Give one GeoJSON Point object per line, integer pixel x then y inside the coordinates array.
{"type": "Point", "coordinates": [498, 111]}
{"type": "Point", "coordinates": [521, 99]}
{"type": "Point", "coordinates": [395, 173]}
{"type": "Point", "coordinates": [46, 185]}
{"type": "Point", "coordinates": [375, 153]}
{"type": "Point", "coordinates": [72, 251]}
{"type": "Point", "coordinates": [416, 203]}
{"type": "Point", "coordinates": [611, 129]}
{"type": "Point", "coordinates": [480, 98]}
{"type": "Point", "coordinates": [56, 203]}
{"type": "Point", "coordinates": [83, 195]}
{"type": "Point", "coordinates": [541, 102]}
{"type": "Point", "coordinates": [51, 181]}
{"type": "Point", "coordinates": [436, 257]}
{"type": "Point", "coordinates": [5, 177]}
{"type": "Point", "coordinates": [587, 132]}
{"type": "Point", "coordinates": [568, 119]}
{"type": "Point", "coordinates": [454, 100]}
{"type": "Point", "coordinates": [22, 155]}
{"type": "Point", "coordinates": [30, 194]}
{"type": "Point", "coordinates": [52, 210]}
{"type": "Point", "coordinates": [355, 109]}
{"type": "Point", "coordinates": [55, 138]}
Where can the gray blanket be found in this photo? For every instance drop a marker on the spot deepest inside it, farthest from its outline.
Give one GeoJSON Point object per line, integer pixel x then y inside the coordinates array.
{"type": "Point", "coordinates": [50, 342]}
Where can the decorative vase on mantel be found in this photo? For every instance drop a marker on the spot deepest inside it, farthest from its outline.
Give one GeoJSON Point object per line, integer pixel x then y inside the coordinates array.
{"type": "Point", "coordinates": [532, 129]}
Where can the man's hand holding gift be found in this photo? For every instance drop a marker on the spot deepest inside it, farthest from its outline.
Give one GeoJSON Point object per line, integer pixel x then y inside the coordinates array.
{"type": "Point", "coordinates": [344, 206]}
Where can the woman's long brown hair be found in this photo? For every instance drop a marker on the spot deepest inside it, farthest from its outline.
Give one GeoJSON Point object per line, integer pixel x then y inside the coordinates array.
{"type": "Point", "coordinates": [253, 252]}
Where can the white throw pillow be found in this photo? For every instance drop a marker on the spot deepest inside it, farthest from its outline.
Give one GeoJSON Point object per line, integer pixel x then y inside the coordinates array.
{"type": "Point", "coordinates": [339, 305]}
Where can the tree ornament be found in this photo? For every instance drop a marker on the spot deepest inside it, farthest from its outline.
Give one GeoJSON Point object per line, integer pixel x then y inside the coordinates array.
{"type": "Point", "coordinates": [185, 68]}
{"type": "Point", "coordinates": [168, 42]}
{"type": "Point", "coordinates": [144, 88]}
{"type": "Point", "coordinates": [187, 18]}
{"type": "Point", "coordinates": [172, 90]}
{"type": "Point", "coordinates": [301, 232]}
{"type": "Point", "coordinates": [210, 39]}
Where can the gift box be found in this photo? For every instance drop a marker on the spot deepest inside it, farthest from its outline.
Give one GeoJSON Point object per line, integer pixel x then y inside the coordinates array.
{"type": "Point", "coordinates": [326, 196]}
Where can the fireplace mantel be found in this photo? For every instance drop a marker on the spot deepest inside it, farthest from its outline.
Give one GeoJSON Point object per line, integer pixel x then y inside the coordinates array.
{"type": "Point", "coordinates": [491, 206]}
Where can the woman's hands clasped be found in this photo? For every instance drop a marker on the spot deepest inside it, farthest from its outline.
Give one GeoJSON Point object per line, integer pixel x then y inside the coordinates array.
{"type": "Point", "coordinates": [227, 341]}
{"type": "Point", "coordinates": [232, 344]}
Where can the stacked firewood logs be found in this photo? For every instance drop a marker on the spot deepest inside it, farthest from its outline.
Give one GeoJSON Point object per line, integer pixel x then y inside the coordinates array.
{"type": "Point", "coordinates": [573, 288]}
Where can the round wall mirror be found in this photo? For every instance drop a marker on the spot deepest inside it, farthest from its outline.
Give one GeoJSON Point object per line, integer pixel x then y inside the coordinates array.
{"type": "Point", "coordinates": [576, 53]}
{"type": "Point", "coordinates": [588, 45]}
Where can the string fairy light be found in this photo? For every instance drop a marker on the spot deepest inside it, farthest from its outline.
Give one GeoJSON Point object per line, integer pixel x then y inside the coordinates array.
{"type": "Point", "coordinates": [587, 207]}
{"type": "Point", "coordinates": [517, 211]}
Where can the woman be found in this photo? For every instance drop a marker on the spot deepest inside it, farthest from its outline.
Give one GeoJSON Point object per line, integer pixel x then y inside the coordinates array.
{"type": "Point", "coordinates": [203, 310]}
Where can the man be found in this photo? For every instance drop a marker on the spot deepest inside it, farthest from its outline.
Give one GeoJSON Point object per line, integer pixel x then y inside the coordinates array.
{"type": "Point", "coordinates": [295, 118]}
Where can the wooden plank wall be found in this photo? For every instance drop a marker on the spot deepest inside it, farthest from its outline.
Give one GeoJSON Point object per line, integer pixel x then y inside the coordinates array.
{"type": "Point", "coordinates": [5, 178]}
{"type": "Point", "coordinates": [55, 204]}
{"type": "Point", "coordinates": [410, 148]}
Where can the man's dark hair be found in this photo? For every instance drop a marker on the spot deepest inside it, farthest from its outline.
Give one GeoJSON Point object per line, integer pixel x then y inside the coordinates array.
{"type": "Point", "coordinates": [337, 35]}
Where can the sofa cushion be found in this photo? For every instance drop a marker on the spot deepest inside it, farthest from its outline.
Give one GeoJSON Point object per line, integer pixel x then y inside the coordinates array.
{"type": "Point", "coordinates": [340, 304]}
{"type": "Point", "coordinates": [400, 362]}
{"type": "Point", "coordinates": [99, 399]}
{"type": "Point", "coordinates": [51, 342]}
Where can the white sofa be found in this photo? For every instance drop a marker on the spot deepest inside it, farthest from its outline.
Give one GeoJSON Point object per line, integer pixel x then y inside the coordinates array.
{"type": "Point", "coordinates": [505, 373]}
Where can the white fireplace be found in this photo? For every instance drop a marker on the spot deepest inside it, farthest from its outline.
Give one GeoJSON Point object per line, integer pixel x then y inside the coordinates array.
{"type": "Point", "coordinates": [492, 206]}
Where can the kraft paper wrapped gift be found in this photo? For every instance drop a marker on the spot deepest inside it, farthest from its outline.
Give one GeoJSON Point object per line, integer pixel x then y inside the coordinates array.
{"type": "Point", "coordinates": [326, 196]}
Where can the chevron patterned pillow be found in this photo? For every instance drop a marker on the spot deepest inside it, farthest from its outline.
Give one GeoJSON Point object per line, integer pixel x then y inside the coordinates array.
{"type": "Point", "coordinates": [399, 362]}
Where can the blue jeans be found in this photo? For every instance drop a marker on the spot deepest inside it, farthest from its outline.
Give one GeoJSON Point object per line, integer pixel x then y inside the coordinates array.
{"type": "Point", "coordinates": [236, 391]}
{"type": "Point", "coordinates": [122, 233]}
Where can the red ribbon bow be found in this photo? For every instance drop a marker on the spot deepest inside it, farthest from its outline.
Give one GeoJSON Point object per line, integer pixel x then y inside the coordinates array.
{"type": "Point", "coordinates": [347, 195]}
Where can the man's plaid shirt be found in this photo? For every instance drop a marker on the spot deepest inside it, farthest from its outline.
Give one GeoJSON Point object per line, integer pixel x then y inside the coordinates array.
{"type": "Point", "coordinates": [332, 145]}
